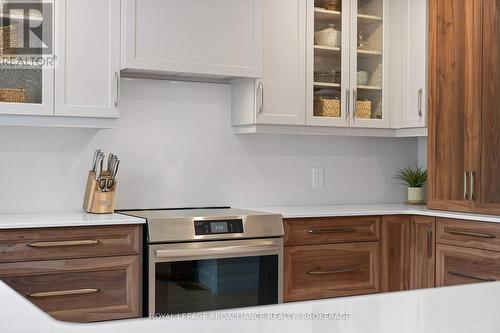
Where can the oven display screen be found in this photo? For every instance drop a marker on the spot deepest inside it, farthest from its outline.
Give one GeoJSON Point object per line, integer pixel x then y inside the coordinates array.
{"type": "Point", "coordinates": [218, 227]}
{"type": "Point", "coordinates": [214, 227]}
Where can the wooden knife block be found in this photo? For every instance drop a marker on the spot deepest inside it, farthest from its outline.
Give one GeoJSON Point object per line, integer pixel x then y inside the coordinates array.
{"type": "Point", "coordinates": [96, 201]}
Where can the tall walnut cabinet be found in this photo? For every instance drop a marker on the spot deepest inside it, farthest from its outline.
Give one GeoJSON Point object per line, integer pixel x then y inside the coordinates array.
{"type": "Point", "coordinates": [464, 112]}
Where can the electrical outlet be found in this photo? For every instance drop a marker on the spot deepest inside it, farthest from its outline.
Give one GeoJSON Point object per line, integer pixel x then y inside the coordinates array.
{"type": "Point", "coordinates": [318, 180]}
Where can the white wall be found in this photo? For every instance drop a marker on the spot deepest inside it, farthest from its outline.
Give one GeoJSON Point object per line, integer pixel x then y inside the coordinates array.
{"type": "Point", "coordinates": [177, 149]}
{"type": "Point", "coordinates": [422, 152]}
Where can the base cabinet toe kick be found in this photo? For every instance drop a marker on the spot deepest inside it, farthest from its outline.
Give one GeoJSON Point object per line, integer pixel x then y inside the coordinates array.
{"type": "Point", "coordinates": [344, 256]}
{"type": "Point", "coordinates": [76, 274]}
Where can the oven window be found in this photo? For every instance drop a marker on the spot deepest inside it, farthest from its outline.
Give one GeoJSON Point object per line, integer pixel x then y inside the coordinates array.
{"type": "Point", "coordinates": [215, 284]}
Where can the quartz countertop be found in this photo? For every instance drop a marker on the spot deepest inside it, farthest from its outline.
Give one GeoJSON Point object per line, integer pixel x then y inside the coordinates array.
{"type": "Point", "coordinates": [373, 209]}
{"type": "Point", "coordinates": [460, 309]}
{"type": "Point", "coordinates": [76, 219]}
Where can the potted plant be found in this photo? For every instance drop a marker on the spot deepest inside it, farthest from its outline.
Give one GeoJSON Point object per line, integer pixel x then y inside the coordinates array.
{"type": "Point", "coordinates": [414, 179]}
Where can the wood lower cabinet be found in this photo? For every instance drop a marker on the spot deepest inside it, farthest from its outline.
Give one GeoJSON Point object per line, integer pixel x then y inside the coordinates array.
{"type": "Point", "coordinates": [79, 290]}
{"type": "Point", "coordinates": [331, 270]}
{"type": "Point", "coordinates": [478, 235]}
{"type": "Point", "coordinates": [395, 252]}
{"type": "Point", "coordinates": [80, 274]}
{"type": "Point", "coordinates": [422, 252]}
{"type": "Point", "coordinates": [459, 265]}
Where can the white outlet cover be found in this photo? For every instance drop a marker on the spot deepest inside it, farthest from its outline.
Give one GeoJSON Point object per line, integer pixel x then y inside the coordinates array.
{"type": "Point", "coordinates": [318, 177]}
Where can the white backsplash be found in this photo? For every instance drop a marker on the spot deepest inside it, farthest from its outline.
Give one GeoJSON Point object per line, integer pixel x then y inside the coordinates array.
{"type": "Point", "coordinates": [177, 148]}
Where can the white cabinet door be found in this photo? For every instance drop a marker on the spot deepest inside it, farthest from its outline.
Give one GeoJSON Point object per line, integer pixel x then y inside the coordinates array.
{"type": "Point", "coordinates": [281, 93]}
{"type": "Point", "coordinates": [88, 64]}
{"type": "Point", "coordinates": [328, 66]}
{"type": "Point", "coordinates": [218, 38]}
{"type": "Point", "coordinates": [415, 64]}
{"type": "Point", "coordinates": [370, 63]}
{"type": "Point", "coordinates": [26, 87]}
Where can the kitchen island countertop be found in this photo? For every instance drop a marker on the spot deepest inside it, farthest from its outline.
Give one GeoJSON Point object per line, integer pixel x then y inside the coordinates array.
{"type": "Point", "coordinates": [461, 309]}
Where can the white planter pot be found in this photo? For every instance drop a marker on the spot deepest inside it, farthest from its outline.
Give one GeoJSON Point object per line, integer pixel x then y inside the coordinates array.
{"type": "Point", "coordinates": [415, 195]}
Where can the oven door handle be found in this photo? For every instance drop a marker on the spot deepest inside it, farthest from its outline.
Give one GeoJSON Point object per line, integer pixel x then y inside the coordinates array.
{"type": "Point", "coordinates": [216, 251]}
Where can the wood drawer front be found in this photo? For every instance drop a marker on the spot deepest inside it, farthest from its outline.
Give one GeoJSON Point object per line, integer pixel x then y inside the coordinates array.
{"type": "Point", "coordinates": [460, 265]}
{"type": "Point", "coordinates": [65, 243]}
{"type": "Point", "coordinates": [322, 271]}
{"type": "Point", "coordinates": [331, 230]}
{"type": "Point", "coordinates": [79, 290]}
{"type": "Point", "coordinates": [479, 235]}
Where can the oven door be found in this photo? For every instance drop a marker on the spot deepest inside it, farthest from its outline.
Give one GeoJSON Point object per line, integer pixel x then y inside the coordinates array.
{"type": "Point", "coordinates": [216, 275]}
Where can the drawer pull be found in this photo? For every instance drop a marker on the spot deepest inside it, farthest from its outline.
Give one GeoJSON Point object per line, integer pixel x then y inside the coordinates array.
{"type": "Point", "coordinates": [64, 293]}
{"type": "Point", "coordinates": [335, 271]}
{"type": "Point", "coordinates": [64, 243]}
{"type": "Point", "coordinates": [468, 276]}
{"type": "Point", "coordinates": [331, 230]}
{"type": "Point", "coordinates": [472, 234]}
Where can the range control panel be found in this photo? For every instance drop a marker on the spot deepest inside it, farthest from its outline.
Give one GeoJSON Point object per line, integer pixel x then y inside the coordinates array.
{"type": "Point", "coordinates": [214, 227]}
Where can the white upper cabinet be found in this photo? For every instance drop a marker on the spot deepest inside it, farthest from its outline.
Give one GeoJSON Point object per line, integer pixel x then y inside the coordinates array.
{"type": "Point", "coordinates": [199, 38]}
{"type": "Point", "coordinates": [279, 96]}
{"type": "Point", "coordinates": [348, 63]}
{"type": "Point", "coordinates": [415, 64]}
{"type": "Point", "coordinates": [88, 44]}
{"type": "Point", "coordinates": [26, 86]}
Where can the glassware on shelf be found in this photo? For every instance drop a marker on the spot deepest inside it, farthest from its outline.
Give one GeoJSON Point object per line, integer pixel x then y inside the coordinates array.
{"type": "Point", "coordinates": [361, 40]}
{"type": "Point", "coordinates": [329, 37]}
{"type": "Point", "coordinates": [327, 76]}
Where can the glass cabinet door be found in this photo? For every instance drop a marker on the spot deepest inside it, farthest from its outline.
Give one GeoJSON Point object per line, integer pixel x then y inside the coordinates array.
{"type": "Point", "coordinates": [26, 58]}
{"type": "Point", "coordinates": [367, 70]}
{"type": "Point", "coordinates": [328, 62]}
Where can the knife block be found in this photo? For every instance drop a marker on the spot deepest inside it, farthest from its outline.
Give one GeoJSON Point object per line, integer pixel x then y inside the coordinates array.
{"type": "Point", "coordinates": [97, 201]}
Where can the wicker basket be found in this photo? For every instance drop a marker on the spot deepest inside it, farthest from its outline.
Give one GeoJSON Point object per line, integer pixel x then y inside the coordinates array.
{"type": "Point", "coordinates": [326, 107]}
{"type": "Point", "coordinates": [364, 109]}
{"type": "Point", "coordinates": [12, 95]}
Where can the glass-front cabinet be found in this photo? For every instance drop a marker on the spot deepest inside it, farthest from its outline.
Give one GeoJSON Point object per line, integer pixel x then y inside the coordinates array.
{"type": "Point", "coordinates": [26, 61]}
{"type": "Point", "coordinates": [346, 63]}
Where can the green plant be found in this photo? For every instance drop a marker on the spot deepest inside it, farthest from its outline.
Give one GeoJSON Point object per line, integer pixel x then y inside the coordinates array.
{"type": "Point", "coordinates": [412, 177]}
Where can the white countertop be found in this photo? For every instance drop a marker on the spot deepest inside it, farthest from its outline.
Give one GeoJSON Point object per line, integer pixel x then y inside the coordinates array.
{"type": "Point", "coordinates": [461, 309]}
{"type": "Point", "coordinates": [77, 219]}
{"type": "Point", "coordinates": [373, 209]}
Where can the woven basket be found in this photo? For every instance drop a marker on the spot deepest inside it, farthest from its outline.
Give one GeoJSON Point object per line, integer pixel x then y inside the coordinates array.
{"type": "Point", "coordinates": [326, 107]}
{"type": "Point", "coordinates": [364, 109]}
{"type": "Point", "coordinates": [12, 95]}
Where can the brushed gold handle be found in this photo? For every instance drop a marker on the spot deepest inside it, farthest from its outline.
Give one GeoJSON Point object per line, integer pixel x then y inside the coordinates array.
{"type": "Point", "coordinates": [335, 271]}
{"type": "Point", "coordinates": [64, 243]}
{"type": "Point", "coordinates": [474, 277]}
{"type": "Point", "coordinates": [331, 230]}
{"type": "Point", "coordinates": [64, 292]}
{"type": "Point", "coordinates": [472, 234]}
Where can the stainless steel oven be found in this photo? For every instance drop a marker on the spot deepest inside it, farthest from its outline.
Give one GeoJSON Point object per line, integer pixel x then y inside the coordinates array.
{"type": "Point", "coordinates": [203, 260]}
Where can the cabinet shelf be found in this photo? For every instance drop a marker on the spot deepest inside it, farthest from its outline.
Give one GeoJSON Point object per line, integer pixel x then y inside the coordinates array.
{"type": "Point", "coordinates": [369, 19]}
{"type": "Point", "coordinates": [323, 15]}
{"type": "Point", "coordinates": [369, 53]}
{"type": "Point", "coordinates": [326, 85]}
{"type": "Point", "coordinates": [370, 88]}
{"type": "Point", "coordinates": [326, 51]}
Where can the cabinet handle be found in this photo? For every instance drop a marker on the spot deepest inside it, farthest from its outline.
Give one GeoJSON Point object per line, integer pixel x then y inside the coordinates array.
{"type": "Point", "coordinates": [469, 276]}
{"type": "Point", "coordinates": [330, 230]}
{"type": "Point", "coordinates": [354, 104]}
{"type": "Point", "coordinates": [64, 293]}
{"type": "Point", "coordinates": [260, 90]}
{"type": "Point", "coordinates": [472, 181]}
{"type": "Point", "coordinates": [64, 243]}
{"type": "Point", "coordinates": [429, 243]}
{"type": "Point", "coordinates": [335, 271]}
{"type": "Point", "coordinates": [420, 95]}
{"type": "Point", "coordinates": [465, 185]}
{"type": "Point", "coordinates": [348, 104]}
{"type": "Point", "coordinates": [117, 92]}
{"type": "Point", "coordinates": [472, 234]}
